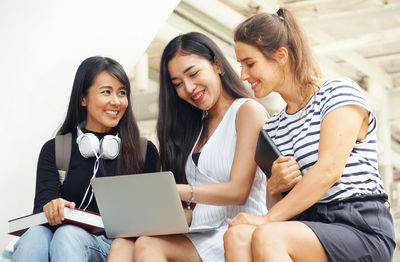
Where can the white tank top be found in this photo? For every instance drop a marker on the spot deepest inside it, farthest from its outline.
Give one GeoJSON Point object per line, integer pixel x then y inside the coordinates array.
{"type": "Point", "coordinates": [214, 166]}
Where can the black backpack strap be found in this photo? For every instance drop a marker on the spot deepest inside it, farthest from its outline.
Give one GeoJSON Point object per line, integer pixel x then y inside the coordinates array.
{"type": "Point", "coordinates": [63, 154]}
{"type": "Point", "coordinates": [143, 147]}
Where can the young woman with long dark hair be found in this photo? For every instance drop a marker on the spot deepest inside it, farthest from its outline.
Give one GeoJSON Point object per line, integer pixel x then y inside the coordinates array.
{"type": "Point", "coordinates": [104, 134]}
{"type": "Point", "coordinates": [207, 129]}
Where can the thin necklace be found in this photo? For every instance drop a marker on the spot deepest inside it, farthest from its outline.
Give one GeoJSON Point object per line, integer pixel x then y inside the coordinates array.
{"type": "Point", "coordinates": [304, 112]}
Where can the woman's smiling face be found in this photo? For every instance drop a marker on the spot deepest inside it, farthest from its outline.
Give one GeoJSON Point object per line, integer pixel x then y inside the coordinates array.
{"type": "Point", "coordinates": [264, 75]}
{"type": "Point", "coordinates": [105, 103]}
{"type": "Point", "coordinates": [196, 80]}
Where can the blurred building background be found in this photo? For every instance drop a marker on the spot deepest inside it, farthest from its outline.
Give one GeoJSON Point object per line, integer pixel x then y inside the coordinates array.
{"type": "Point", "coordinates": [357, 39]}
{"type": "Point", "coordinates": [46, 41]}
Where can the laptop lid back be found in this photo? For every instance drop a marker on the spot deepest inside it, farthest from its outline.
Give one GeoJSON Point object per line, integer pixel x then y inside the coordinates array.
{"type": "Point", "coordinates": [140, 204]}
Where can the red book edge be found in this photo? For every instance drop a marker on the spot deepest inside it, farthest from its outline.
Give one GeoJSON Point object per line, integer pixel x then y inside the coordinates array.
{"type": "Point", "coordinates": [87, 227]}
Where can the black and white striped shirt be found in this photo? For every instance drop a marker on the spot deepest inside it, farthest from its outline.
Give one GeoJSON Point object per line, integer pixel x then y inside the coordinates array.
{"type": "Point", "coordinates": [297, 135]}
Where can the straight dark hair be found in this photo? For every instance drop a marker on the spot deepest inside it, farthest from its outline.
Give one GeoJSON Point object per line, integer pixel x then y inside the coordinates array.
{"type": "Point", "coordinates": [179, 123]}
{"type": "Point", "coordinates": [269, 32]}
{"type": "Point", "coordinates": [127, 127]}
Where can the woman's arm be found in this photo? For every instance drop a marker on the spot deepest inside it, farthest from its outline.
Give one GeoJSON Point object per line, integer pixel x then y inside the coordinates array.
{"type": "Point", "coordinates": [249, 121]}
{"type": "Point", "coordinates": [47, 195]}
{"type": "Point", "coordinates": [47, 179]}
{"type": "Point", "coordinates": [340, 129]}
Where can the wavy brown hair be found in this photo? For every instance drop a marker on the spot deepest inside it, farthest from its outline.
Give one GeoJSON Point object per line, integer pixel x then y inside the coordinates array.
{"type": "Point", "coordinates": [269, 32]}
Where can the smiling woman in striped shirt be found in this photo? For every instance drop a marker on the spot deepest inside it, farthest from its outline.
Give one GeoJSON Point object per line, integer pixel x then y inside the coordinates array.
{"type": "Point", "coordinates": [335, 209]}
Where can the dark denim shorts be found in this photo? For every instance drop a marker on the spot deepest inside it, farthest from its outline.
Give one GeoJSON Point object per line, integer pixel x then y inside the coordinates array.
{"type": "Point", "coordinates": [355, 229]}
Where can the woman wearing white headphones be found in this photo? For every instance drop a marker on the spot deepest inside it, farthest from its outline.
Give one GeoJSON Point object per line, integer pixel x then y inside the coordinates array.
{"type": "Point", "coordinates": [105, 142]}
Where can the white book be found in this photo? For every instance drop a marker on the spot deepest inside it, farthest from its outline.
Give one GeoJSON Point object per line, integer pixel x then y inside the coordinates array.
{"type": "Point", "coordinates": [91, 222]}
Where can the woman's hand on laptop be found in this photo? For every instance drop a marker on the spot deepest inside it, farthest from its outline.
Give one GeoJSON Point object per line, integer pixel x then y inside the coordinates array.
{"type": "Point", "coordinates": [54, 210]}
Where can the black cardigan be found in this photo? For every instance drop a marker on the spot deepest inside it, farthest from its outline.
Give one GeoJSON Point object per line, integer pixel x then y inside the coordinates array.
{"type": "Point", "coordinates": [80, 171]}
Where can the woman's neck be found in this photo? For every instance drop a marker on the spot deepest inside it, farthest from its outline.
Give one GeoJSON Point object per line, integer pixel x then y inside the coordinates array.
{"type": "Point", "coordinates": [98, 131]}
{"type": "Point", "coordinates": [296, 96]}
{"type": "Point", "coordinates": [221, 106]}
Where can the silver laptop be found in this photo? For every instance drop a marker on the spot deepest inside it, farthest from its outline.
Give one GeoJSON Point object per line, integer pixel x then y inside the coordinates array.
{"type": "Point", "coordinates": [140, 204]}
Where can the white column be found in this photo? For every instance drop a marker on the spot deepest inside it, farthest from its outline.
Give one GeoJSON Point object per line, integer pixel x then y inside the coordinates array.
{"type": "Point", "coordinates": [376, 91]}
{"type": "Point", "coordinates": [41, 42]}
{"type": "Point", "coordinates": [142, 73]}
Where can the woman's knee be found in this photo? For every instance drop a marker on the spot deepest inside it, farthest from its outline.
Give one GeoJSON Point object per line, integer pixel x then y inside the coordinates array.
{"type": "Point", "coordinates": [38, 233]}
{"type": "Point", "coordinates": [69, 237]}
{"type": "Point", "coordinates": [122, 244]}
{"type": "Point", "coordinates": [146, 246]}
{"type": "Point", "coordinates": [34, 244]}
{"type": "Point", "coordinates": [143, 244]}
{"type": "Point", "coordinates": [77, 244]}
{"type": "Point", "coordinates": [70, 233]}
{"type": "Point", "coordinates": [35, 237]}
{"type": "Point", "coordinates": [266, 236]}
{"type": "Point", "coordinates": [238, 236]}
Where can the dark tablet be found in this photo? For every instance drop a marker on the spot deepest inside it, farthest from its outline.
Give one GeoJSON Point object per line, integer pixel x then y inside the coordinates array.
{"type": "Point", "coordinates": [267, 152]}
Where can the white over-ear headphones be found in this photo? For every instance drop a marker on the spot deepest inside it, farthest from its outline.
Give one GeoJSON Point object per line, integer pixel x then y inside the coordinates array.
{"type": "Point", "coordinates": [89, 145]}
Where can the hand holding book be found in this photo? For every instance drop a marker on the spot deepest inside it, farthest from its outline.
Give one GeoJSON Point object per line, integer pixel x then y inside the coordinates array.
{"type": "Point", "coordinates": [270, 160]}
{"type": "Point", "coordinates": [54, 210]}
{"type": "Point", "coordinates": [286, 175]}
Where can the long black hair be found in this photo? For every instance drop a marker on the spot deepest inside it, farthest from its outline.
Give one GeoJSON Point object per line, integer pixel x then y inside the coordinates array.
{"type": "Point", "coordinates": [127, 127]}
{"type": "Point", "coordinates": [179, 123]}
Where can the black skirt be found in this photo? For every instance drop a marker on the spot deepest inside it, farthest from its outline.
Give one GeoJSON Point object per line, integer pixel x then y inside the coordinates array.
{"type": "Point", "coordinates": [355, 229]}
